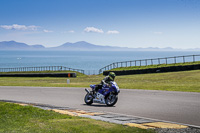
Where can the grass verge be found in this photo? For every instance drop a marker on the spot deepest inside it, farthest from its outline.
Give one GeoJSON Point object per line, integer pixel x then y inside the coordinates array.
{"type": "Point", "coordinates": [188, 81]}
{"type": "Point", "coordinates": [16, 118]}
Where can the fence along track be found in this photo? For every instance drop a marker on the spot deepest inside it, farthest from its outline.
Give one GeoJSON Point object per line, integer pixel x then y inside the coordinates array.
{"type": "Point", "coordinates": [41, 68]}
{"type": "Point", "coordinates": [155, 61]}
{"type": "Point", "coordinates": [144, 62]}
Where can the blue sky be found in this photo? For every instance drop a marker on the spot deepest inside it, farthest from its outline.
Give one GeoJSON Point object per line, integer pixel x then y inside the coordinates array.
{"type": "Point", "coordinates": [127, 23]}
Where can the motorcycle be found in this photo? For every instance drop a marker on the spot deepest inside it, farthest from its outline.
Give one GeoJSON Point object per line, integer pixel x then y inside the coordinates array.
{"type": "Point", "coordinates": [107, 95]}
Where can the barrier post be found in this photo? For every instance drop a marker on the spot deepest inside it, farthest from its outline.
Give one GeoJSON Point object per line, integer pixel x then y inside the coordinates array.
{"type": "Point", "coordinates": [193, 58]}
{"type": "Point", "coordinates": [175, 60]}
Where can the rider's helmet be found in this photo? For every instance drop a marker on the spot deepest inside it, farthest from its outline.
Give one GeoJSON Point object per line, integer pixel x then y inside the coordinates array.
{"type": "Point", "coordinates": [112, 75]}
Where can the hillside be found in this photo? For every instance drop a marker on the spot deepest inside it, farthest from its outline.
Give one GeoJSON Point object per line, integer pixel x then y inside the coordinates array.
{"type": "Point", "coordinates": [85, 46]}
{"type": "Point", "coordinates": [12, 45]}
{"type": "Point", "coordinates": [77, 46]}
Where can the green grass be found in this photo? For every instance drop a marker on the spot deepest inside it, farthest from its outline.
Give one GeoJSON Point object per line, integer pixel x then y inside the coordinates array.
{"type": "Point", "coordinates": [153, 66]}
{"type": "Point", "coordinates": [18, 119]}
{"type": "Point", "coordinates": [80, 81]}
{"type": "Point", "coordinates": [187, 81]}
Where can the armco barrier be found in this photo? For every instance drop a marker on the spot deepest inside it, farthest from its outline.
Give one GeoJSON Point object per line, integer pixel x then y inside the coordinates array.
{"type": "Point", "coordinates": [155, 61]}
{"type": "Point", "coordinates": [156, 70]}
{"type": "Point", "coordinates": [39, 75]}
{"type": "Point", "coordinates": [40, 68]}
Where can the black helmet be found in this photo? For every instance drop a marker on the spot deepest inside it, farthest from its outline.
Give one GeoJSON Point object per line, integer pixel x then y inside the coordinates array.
{"type": "Point", "coordinates": [112, 75]}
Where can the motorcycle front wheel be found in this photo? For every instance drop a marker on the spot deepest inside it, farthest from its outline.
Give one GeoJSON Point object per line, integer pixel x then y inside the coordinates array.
{"type": "Point", "coordinates": [88, 99]}
{"type": "Point", "coordinates": [111, 99]}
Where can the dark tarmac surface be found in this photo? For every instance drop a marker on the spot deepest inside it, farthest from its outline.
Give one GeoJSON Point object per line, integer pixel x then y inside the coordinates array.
{"type": "Point", "coordinates": [180, 107]}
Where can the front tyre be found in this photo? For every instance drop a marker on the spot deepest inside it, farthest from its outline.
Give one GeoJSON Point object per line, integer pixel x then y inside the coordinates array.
{"type": "Point", "coordinates": [111, 99]}
{"type": "Point", "coordinates": [88, 99]}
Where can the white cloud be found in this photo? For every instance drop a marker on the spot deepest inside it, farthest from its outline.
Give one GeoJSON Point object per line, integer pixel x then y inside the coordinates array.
{"type": "Point", "coordinates": [71, 31]}
{"type": "Point", "coordinates": [47, 31]}
{"type": "Point", "coordinates": [19, 27]}
{"type": "Point", "coordinates": [93, 29]}
{"type": "Point", "coordinates": [158, 33]}
{"type": "Point", "coordinates": [113, 32]}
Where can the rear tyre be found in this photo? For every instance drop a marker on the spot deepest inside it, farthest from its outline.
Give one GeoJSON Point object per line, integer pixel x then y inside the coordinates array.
{"type": "Point", "coordinates": [111, 99]}
{"type": "Point", "coordinates": [88, 99]}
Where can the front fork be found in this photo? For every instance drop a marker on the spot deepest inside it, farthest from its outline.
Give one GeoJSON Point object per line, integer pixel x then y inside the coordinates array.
{"type": "Point", "coordinates": [87, 90]}
{"type": "Point", "coordinates": [90, 92]}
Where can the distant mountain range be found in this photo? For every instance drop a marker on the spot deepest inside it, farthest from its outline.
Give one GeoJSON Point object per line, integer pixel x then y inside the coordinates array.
{"type": "Point", "coordinates": [78, 46]}
{"type": "Point", "coordinates": [84, 46]}
{"type": "Point", "coordinates": [12, 45]}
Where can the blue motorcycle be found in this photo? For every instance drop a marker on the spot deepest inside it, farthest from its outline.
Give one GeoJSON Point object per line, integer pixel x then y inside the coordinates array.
{"type": "Point", "coordinates": [107, 95]}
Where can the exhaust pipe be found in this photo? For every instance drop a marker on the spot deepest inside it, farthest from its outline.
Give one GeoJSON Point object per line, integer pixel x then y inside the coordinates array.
{"type": "Point", "coordinates": [87, 90]}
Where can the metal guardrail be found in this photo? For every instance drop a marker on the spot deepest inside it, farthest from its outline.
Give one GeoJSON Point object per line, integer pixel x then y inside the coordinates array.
{"type": "Point", "coordinates": [143, 62]}
{"type": "Point", "coordinates": [41, 68]}
{"type": "Point", "coordinates": [155, 61]}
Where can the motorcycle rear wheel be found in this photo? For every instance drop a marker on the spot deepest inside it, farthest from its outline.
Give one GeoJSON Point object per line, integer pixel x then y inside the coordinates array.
{"type": "Point", "coordinates": [111, 99]}
{"type": "Point", "coordinates": [88, 99]}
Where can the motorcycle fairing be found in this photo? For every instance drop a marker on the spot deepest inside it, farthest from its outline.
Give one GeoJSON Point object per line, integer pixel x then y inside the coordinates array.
{"type": "Point", "coordinates": [106, 90]}
{"type": "Point", "coordinates": [92, 86]}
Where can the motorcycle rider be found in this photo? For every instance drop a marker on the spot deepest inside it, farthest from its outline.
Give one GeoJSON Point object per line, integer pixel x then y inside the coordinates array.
{"type": "Point", "coordinates": [111, 77]}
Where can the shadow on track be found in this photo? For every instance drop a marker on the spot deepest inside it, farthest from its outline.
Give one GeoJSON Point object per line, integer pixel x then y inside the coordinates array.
{"type": "Point", "coordinates": [97, 105]}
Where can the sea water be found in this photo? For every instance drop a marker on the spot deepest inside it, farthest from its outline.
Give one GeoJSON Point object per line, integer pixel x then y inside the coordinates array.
{"type": "Point", "coordinates": [86, 60]}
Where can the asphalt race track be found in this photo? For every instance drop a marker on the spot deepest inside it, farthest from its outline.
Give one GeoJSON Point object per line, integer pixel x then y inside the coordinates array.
{"type": "Point", "coordinates": [181, 107]}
